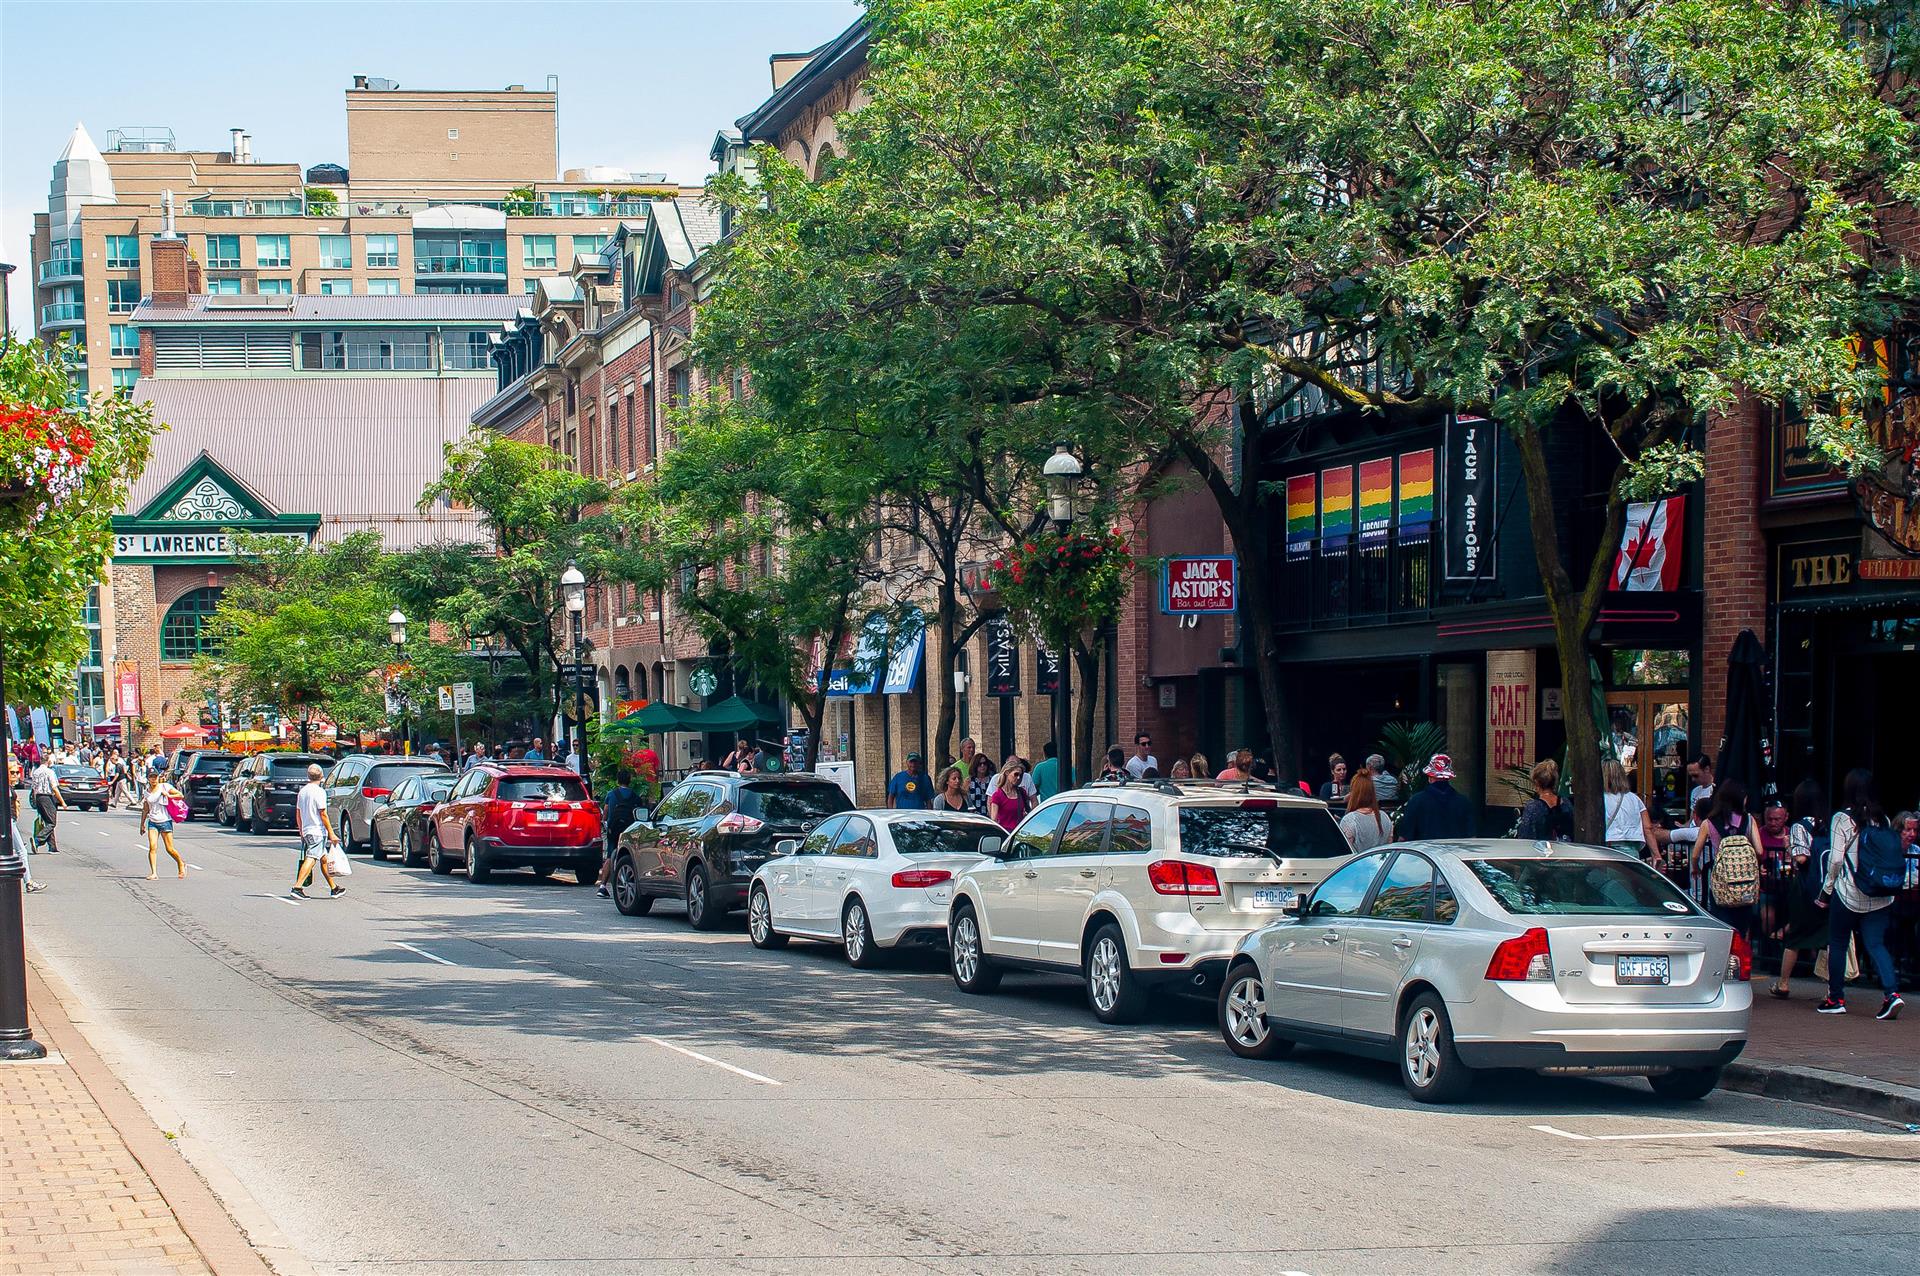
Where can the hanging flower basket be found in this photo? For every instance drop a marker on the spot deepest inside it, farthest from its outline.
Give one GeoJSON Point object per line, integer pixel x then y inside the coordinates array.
{"type": "Point", "coordinates": [1059, 586]}
{"type": "Point", "coordinates": [43, 458]}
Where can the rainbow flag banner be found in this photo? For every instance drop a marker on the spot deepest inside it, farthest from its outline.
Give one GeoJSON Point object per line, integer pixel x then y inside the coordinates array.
{"type": "Point", "coordinates": [1336, 509]}
{"type": "Point", "coordinates": [1301, 509]}
{"type": "Point", "coordinates": [1416, 490]}
{"type": "Point", "coordinates": [1376, 500]}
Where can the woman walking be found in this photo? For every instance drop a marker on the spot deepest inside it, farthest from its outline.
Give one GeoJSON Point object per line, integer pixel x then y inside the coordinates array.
{"type": "Point", "coordinates": [1545, 818]}
{"type": "Point", "coordinates": [1852, 909]}
{"type": "Point", "coordinates": [1007, 803]}
{"type": "Point", "coordinates": [156, 814]}
{"type": "Point", "coordinates": [953, 791]}
{"type": "Point", "coordinates": [1727, 820]}
{"type": "Point", "coordinates": [1629, 827]}
{"type": "Point", "coordinates": [1364, 824]}
{"type": "Point", "coordinates": [1806, 927]}
{"type": "Point", "coordinates": [980, 784]}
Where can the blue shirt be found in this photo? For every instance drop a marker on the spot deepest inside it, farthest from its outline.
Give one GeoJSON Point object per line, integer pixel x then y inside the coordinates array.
{"type": "Point", "coordinates": [909, 791]}
{"type": "Point", "coordinates": [534, 755]}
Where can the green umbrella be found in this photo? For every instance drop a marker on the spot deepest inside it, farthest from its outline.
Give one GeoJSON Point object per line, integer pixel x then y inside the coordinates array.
{"type": "Point", "coordinates": [656, 717]}
{"type": "Point", "coordinates": [735, 713]}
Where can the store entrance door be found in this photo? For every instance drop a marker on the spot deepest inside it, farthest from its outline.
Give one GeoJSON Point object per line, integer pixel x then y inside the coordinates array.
{"type": "Point", "coordinates": [1651, 732]}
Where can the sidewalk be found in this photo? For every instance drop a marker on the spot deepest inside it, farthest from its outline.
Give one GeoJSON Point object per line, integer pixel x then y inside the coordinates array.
{"type": "Point", "coordinates": [87, 1183]}
{"type": "Point", "coordinates": [1846, 1061]}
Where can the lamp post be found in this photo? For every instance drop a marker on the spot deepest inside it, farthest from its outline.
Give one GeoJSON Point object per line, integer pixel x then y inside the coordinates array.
{"type": "Point", "coordinates": [219, 672]}
{"type": "Point", "coordinates": [397, 635]}
{"type": "Point", "coordinates": [16, 1035]}
{"type": "Point", "coordinates": [573, 587]}
{"type": "Point", "coordinates": [1062, 472]}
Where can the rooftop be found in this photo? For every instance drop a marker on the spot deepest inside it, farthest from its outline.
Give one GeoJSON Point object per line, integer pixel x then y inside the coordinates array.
{"type": "Point", "coordinates": [307, 310]}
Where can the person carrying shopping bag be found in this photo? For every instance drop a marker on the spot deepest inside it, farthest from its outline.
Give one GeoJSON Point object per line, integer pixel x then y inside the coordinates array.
{"type": "Point", "coordinates": [160, 806]}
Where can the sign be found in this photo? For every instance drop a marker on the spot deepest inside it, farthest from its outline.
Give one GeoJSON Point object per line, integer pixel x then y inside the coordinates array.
{"type": "Point", "coordinates": [1049, 679]}
{"type": "Point", "coordinates": [704, 682]}
{"type": "Point", "coordinates": [903, 662]}
{"type": "Point", "coordinates": [1169, 695]}
{"type": "Point", "coordinates": [1416, 492]}
{"type": "Point", "coordinates": [1889, 494]}
{"type": "Point", "coordinates": [1470, 493]}
{"type": "Point", "coordinates": [1889, 569]}
{"type": "Point", "coordinates": [463, 697]}
{"type": "Point", "coordinates": [1798, 468]}
{"type": "Point", "coordinates": [1550, 705]}
{"type": "Point", "coordinates": [1510, 713]}
{"type": "Point", "coordinates": [1302, 506]}
{"type": "Point", "coordinates": [142, 545]}
{"type": "Point", "coordinates": [869, 654]}
{"type": "Point", "coordinates": [1376, 500]}
{"type": "Point", "coordinates": [1336, 510]}
{"type": "Point", "coordinates": [1207, 585]}
{"type": "Point", "coordinates": [127, 690]}
{"type": "Point", "coordinates": [1003, 659]}
{"type": "Point", "coordinates": [1808, 568]}
{"type": "Point", "coordinates": [446, 699]}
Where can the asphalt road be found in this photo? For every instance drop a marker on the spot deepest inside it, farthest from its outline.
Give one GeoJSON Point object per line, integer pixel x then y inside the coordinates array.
{"type": "Point", "coordinates": [425, 1076]}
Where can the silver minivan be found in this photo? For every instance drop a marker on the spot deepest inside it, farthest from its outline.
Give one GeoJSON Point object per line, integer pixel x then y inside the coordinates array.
{"type": "Point", "coordinates": [360, 784]}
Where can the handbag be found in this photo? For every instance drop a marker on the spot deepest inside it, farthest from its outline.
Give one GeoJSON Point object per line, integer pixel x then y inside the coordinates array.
{"type": "Point", "coordinates": [1821, 966]}
{"type": "Point", "coordinates": [337, 862]}
{"type": "Point", "coordinates": [177, 810]}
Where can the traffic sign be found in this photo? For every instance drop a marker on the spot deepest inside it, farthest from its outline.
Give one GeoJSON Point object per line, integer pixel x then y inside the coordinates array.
{"type": "Point", "coordinates": [446, 699]}
{"type": "Point", "coordinates": [463, 697]}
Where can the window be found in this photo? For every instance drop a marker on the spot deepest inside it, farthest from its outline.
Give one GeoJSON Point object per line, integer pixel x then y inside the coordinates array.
{"type": "Point", "coordinates": [336, 252]}
{"type": "Point", "coordinates": [792, 803]}
{"type": "Point", "coordinates": [361, 350]}
{"type": "Point", "coordinates": [1342, 894]}
{"type": "Point", "coordinates": [276, 287]}
{"type": "Point", "coordinates": [1445, 906]}
{"type": "Point", "coordinates": [1085, 830]}
{"type": "Point", "coordinates": [541, 788]}
{"type": "Point", "coordinates": [537, 252]}
{"type": "Point", "coordinates": [587, 247]}
{"type": "Point", "coordinates": [272, 250]}
{"type": "Point", "coordinates": [1404, 891]}
{"type": "Point", "coordinates": [653, 424]}
{"type": "Point", "coordinates": [122, 296]}
{"type": "Point", "coordinates": [123, 252]}
{"type": "Point", "coordinates": [613, 435]}
{"type": "Point", "coordinates": [1596, 887]}
{"type": "Point", "coordinates": [383, 287]}
{"type": "Point", "coordinates": [383, 250]}
{"type": "Point", "coordinates": [223, 287]}
{"type": "Point", "coordinates": [1132, 832]}
{"type": "Point", "coordinates": [941, 837]}
{"type": "Point", "coordinates": [1035, 837]}
{"type": "Point", "coordinates": [529, 286]}
{"type": "Point", "coordinates": [123, 379]}
{"type": "Point", "coordinates": [336, 287]}
{"type": "Point", "coordinates": [223, 252]}
{"type": "Point", "coordinates": [1261, 827]}
{"type": "Point", "coordinates": [633, 460]}
{"type": "Point", "coordinates": [123, 341]}
{"type": "Point", "coordinates": [821, 838]}
{"type": "Point", "coordinates": [185, 632]}
{"type": "Point", "coordinates": [856, 839]}
{"type": "Point", "coordinates": [466, 351]}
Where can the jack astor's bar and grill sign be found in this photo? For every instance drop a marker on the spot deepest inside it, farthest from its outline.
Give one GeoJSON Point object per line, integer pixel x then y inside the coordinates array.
{"type": "Point", "coordinates": [1471, 483]}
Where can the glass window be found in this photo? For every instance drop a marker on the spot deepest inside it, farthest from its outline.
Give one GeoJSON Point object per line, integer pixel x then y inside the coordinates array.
{"type": "Point", "coordinates": [434, 788]}
{"type": "Point", "coordinates": [1342, 894]}
{"type": "Point", "coordinates": [223, 287]}
{"type": "Point", "coordinates": [537, 252]}
{"type": "Point", "coordinates": [122, 296]}
{"type": "Point", "coordinates": [817, 842]}
{"type": "Point", "coordinates": [1132, 832]}
{"type": "Point", "coordinates": [1035, 836]}
{"type": "Point", "coordinates": [336, 287]}
{"type": "Point", "coordinates": [792, 803]}
{"type": "Point", "coordinates": [385, 775]}
{"type": "Point", "coordinates": [123, 341]}
{"type": "Point", "coordinates": [404, 791]}
{"type": "Point", "coordinates": [541, 788]}
{"type": "Point", "coordinates": [466, 351]}
{"type": "Point", "coordinates": [587, 247]}
{"type": "Point", "coordinates": [123, 379]}
{"type": "Point", "coordinates": [856, 839]}
{"type": "Point", "coordinates": [1597, 887]}
{"type": "Point", "coordinates": [276, 287]}
{"type": "Point", "coordinates": [366, 350]}
{"type": "Point", "coordinates": [529, 286]}
{"type": "Point", "coordinates": [185, 632]}
{"type": "Point", "coordinates": [1261, 827]}
{"type": "Point", "coordinates": [223, 252]}
{"type": "Point", "coordinates": [292, 766]}
{"type": "Point", "coordinates": [336, 252]}
{"type": "Point", "coordinates": [941, 837]}
{"type": "Point", "coordinates": [383, 287]}
{"type": "Point", "coordinates": [1445, 906]}
{"type": "Point", "coordinates": [1405, 890]}
{"type": "Point", "coordinates": [1085, 829]}
{"type": "Point", "coordinates": [383, 250]}
{"type": "Point", "coordinates": [272, 250]}
{"type": "Point", "coordinates": [123, 252]}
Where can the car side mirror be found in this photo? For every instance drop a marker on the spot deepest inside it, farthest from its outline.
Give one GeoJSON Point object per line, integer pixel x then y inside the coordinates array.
{"type": "Point", "coordinates": [1300, 903]}
{"type": "Point", "coordinates": [995, 847]}
{"type": "Point", "coordinates": [787, 846]}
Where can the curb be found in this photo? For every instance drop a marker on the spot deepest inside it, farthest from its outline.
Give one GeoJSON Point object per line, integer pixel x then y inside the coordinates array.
{"type": "Point", "coordinates": [222, 1245]}
{"type": "Point", "coordinates": [1841, 1090]}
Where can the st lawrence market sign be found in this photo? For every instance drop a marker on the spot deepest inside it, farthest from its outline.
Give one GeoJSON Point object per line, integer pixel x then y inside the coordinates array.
{"type": "Point", "coordinates": [197, 517]}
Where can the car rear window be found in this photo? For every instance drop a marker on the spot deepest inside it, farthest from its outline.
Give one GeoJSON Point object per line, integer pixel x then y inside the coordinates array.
{"type": "Point", "coordinates": [213, 766]}
{"type": "Point", "coordinates": [1596, 887]}
{"type": "Point", "coordinates": [1287, 832]}
{"type": "Point", "coordinates": [942, 837]}
{"type": "Point", "coordinates": [542, 788]}
{"type": "Point", "coordinates": [793, 803]}
{"type": "Point", "coordinates": [289, 768]}
{"type": "Point", "coordinates": [434, 788]}
{"type": "Point", "coordinates": [388, 774]}
{"type": "Point", "coordinates": [76, 773]}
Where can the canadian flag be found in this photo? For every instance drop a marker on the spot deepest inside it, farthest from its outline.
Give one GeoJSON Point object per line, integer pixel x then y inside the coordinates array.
{"type": "Point", "coordinates": [1649, 557]}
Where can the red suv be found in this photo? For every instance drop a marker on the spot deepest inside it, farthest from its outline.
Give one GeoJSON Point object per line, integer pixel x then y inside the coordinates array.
{"type": "Point", "coordinates": [514, 815]}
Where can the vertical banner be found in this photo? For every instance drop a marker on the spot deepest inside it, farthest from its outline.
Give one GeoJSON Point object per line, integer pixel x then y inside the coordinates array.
{"type": "Point", "coordinates": [1416, 491]}
{"type": "Point", "coordinates": [1510, 721]}
{"type": "Point", "coordinates": [1470, 494]}
{"type": "Point", "coordinates": [1003, 659]}
{"type": "Point", "coordinates": [127, 691]}
{"type": "Point", "coordinates": [1049, 677]}
{"type": "Point", "coordinates": [1336, 510]}
{"type": "Point", "coordinates": [1376, 500]}
{"type": "Point", "coordinates": [1301, 510]}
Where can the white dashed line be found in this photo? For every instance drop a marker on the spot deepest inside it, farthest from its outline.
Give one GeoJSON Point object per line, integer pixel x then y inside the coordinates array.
{"type": "Point", "coordinates": [1677, 1134]}
{"type": "Point", "coordinates": [703, 1058]}
{"type": "Point", "coordinates": [280, 899]}
{"type": "Point", "coordinates": [421, 952]}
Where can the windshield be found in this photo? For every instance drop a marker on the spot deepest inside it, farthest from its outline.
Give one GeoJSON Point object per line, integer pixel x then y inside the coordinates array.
{"type": "Point", "coordinates": [542, 788]}
{"type": "Point", "coordinates": [793, 803]}
{"type": "Point", "coordinates": [1598, 887]}
{"type": "Point", "coordinates": [76, 773]}
{"type": "Point", "coordinates": [1286, 832]}
{"type": "Point", "coordinates": [213, 766]}
{"type": "Point", "coordinates": [942, 837]}
{"type": "Point", "coordinates": [434, 788]}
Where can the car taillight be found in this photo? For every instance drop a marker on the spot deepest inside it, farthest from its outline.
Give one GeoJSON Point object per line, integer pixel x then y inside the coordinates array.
{"type": "Point", "coordinates": [922, 877]}
{"type": "Point", "coordinates": [428, 808]}
{"type": "Point", "coordinates": [1521, 958]}
{"type": "Point", "coordinates": [1740, 960]}
{"type": "Point", "coordinates": [738, 823]}
{"type": "Point", "coordinates": [373, 792]}
{"type": "Point", "coordinates": [1177, 877]}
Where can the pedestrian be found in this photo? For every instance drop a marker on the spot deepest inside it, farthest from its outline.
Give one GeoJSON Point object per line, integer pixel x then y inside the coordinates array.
{"type": "Point", "coordinates": [1700, 776]}
{"type": "Point", "coordinates": [980, 782]}
{"type": "Point", "coordinates": [1544, 817]}
{"type": "Point", "coordinates": [1335, 789]}
{"type": "Point", "coordinates": [910, 790]}
{"type": "Point", "coordinates": [21, 843]}
{"type": "Point", "coordinates": [1775, 865]}
{"type": "Point", "coordinates": [535, 752]}
{"type": "Point", "coordinates": [1046, 776]}
{"type": "Point", "coordinates": [953, 791]}
{"type": "Point", "coordinates": [158, 806]}
{"type": "Point", "coordinates": [317, 838]}
{"type": "Point", "coordinates": [1364, 824]}
{"type": "Point", "coordinates": [1807, 924]}
{"type": "Point", "coordinates": [1116, 767]}
{"type": "Point", "coordinates": [1142, 756]}
{"type": "Point", "coordinates": [1199, 767]}
{"type": "Point", "coordinates": [1856, 833]}
{"type": "Point", "coordinates": [623, 806]}
{"type": "Point", "coordinates": [1385, 783]}
{"type": "Point", "coordinates": [1439, 811]}
{"type": "Point", "coordinates": [1182, 770]}
{"type": "Point", "coordinates": [1239, 766]}
{"type": "Point", "coordinates": [741, 759]}
{"type": "Point", "coordinates": [475, 756]}
{"type": "Point", "coordinates": [1629, 825]}
{"type": "Point", "coordinates": [1029, 795]}
{"type": "Point", "coordinates": [120, 787]}
{"type": "Point", "coordinates": [1726, 859]}
{"type": "Point", "coordinates": [49, 801]}
{"type": "Point", "coordinates": [1007, 803]}
{"type": "Point", "coordinates": [968, 751]}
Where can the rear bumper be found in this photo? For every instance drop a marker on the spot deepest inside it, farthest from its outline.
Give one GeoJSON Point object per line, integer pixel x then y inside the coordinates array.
{"type": "Point", "coordinates": [1518, 1023]}
{"type": "Point", "coordinates": [1553, 1054]}
{"type": "Point", "coordinates": [514, 854]}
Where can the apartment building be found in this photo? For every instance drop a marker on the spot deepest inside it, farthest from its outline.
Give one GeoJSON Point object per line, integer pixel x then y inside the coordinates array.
{"type": "Point", "coordinates": [442, 192]}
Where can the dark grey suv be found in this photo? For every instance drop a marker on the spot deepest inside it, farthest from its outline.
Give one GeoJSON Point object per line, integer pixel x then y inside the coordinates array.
{"type": "Point", "coordinates": [360, 784]}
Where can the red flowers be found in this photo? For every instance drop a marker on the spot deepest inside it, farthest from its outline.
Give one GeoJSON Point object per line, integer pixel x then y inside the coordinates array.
{"type": "Point", "coordinates": [45, 449]}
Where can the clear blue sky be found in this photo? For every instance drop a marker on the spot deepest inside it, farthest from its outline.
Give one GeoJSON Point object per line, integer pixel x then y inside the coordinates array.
{"type": "Point", "coordinates": [643, 84]}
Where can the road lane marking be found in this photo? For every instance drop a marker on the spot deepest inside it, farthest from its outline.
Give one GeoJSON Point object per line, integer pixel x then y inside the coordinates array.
{"type": "Point", "coordinates": [1676, 1134]}
{"type": "Point", "coordinates": [196, 868]}
{"type": "Point", "coordinates": [421, 952]}
{"type": "Point", "coordinates": [277, 898]}
{"type": "Point", "coordinates": [706, 1058]}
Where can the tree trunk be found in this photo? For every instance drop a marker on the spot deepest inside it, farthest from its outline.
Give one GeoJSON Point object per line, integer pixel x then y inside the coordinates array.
{"type": "Point", "coordinates": [946, 620]}
{"type": "Point", "coordinates": [1086, 660]}
{"type": "Point", "coordinates": [1256, 615]}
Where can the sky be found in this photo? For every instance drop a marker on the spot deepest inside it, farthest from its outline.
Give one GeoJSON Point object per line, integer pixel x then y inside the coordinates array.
{"type": "Point", "coordinates": [644, 85]}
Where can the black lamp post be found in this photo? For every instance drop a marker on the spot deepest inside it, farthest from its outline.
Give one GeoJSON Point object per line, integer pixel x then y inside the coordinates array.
{"type": "Point", "coordinates": [16, 1036]}
{"type": "Point", "coordinates": [573, 588]}
{"type": "Point", "coordinates": [1062, 472]}
{"type": "Point", "coordinates": [397, 635]}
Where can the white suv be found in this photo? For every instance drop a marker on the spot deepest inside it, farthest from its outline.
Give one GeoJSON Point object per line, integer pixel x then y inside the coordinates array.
{"type": "Point", "coordinates": [1138, 883]}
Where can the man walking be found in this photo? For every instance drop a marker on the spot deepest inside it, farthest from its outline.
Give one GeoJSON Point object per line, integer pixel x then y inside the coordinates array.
{"type": "Point", "coordinates": [1142, 760]}
{"type": "Point", "coordinates": [48, 800]}
{"type": "Point", "coordinates": [476, 757]}
{"type": "Point", "coordinates": [534, 752]}
{"type": "Point", "coordinates": [316, 834]}
{"type": "Point", "coordinates": [1046, 776]}
{"type": "Point", "coordinates": [910, 790]}
{"type": "Point", "coordinates": [1438, 811]}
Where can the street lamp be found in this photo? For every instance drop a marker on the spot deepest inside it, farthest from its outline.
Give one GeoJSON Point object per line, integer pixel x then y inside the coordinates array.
{"type": "Point", "coordinates": [1062, 472]}
{"type": "Point", "coordinates": [219, 672]}
{"type": "Point", "coordinates": [16, 1035]}
{"type": "Point", "coordinates": [573, 587]}
{"type": "Point", "coordinates": [397, 635]}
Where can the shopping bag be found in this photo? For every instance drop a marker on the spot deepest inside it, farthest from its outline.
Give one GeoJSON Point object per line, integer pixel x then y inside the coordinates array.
{"type": "Point", "coordinates": [337, 863]}
{"type": "Point", "coordinates": [177, 810]}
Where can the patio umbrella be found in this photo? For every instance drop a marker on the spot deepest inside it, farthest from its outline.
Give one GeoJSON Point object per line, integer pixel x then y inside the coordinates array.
{"type": "Point", "coordinates": [656, 717]}
{"type": "Point", "coordinates": [180, 731]}
{"type": "Point", "coordinates": [1746, 751]}
{"type": "Point", "coordinates": [248, 735]}
{"type": "Point", "coordinates": [735, 713]}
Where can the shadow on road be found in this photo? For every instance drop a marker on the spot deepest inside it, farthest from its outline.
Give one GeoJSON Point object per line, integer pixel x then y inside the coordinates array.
{"type": "Point", "coordinates": [1742, 1240]}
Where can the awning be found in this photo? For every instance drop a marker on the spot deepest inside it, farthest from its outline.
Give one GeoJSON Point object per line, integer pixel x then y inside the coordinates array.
{"type": "Point", "coordinates": [903, 664]}
{"type": "Point", "coordinates": [735, 713]}
{"type": "Point", "coordinates": [1904, 600]}
{"type": "Point", "coordinates": [869, 655]}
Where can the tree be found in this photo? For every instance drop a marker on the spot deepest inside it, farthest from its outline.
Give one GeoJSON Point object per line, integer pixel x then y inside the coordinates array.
{"type": "Point", "coordinates": [322, 201]}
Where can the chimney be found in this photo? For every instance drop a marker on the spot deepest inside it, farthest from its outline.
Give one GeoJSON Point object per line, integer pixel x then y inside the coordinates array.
{"type": "Point", "coordinates": [359, 81]}
{"type": "Point", "coordinates": [233, 150]}
{"type": "Point", "coordinates": [167, 231]}
{"type": "Point", "coordinates": [172, 281]}
{"type": "Point", "coordinates": [246, 148]}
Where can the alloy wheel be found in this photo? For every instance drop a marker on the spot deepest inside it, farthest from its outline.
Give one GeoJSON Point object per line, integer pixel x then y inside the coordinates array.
{"type": "Point", "coordinates": [626, 885]}
{"type": "Point", "coordinates": [1422, 1045]}
{"type": "Point", "coordinates": [855, 932]}
{"type": "Point", "coordinates": [1104, 974]}
{"type": "Point", "coordinates": [966, 948]}
{"type": "Point", "coordinates": [1247, 1011]}
{"type": "Point", "coordinates": [759, 917]}
{"type": "Point", "coordinates": [696, 897]}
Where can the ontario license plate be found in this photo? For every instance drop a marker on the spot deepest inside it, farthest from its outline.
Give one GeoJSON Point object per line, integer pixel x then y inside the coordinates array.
{"type": "Point", "coordinates": [1274, 897]}
{"type": "Point", "coordinates": [546, 817]}
{"type": "Point", "coordinates": [1642, 970]}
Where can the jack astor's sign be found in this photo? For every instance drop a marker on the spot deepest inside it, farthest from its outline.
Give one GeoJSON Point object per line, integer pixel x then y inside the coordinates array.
{"type": "Point", "coordinates": [1470, 493]}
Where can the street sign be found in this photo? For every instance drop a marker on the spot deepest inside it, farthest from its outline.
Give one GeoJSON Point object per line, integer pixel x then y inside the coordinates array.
{"type": "Point", "coordinates": [446, 699]}
{"type": "Point", "coordinates": [1204, 585]}
{"type": "Point", "coordinates": [463, 697]}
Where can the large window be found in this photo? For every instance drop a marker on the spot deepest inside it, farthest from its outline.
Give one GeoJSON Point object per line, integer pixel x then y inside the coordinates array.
{"type": "Point", "coordinates": [336, 287]}
{"type": "Point", "coordinates": [336, 252]}
{"type": "Point", "coordinates": [187, 629]}
{"type": "Point", "coordinates": [272, 250]}
{"type": "Point", "coordinates": [124, 341]}
{"type": "Point", "coordinates": [223, 287]}
{"type": "Point", "coordinates": [123, 252]}
{"type": "Point", "coordinates": [466, 351]}
{"type": "Point", "coordinates": [223, 252]}
{"type": "Point", "coordinates": [383, 250]}
{"type": "Point", "coordinates": [276, 287]}
{"type": "Point", "coordinates": [399, 350]}
{"type": "Point", "coordinates": [586, 247]}
{"type": "Point", "coordinates": [383, 287]}
{"type": "Point", "coordinates": [123, 379]}
{"type": "Point", "coordinates": [122, 296]}
{"type": "Point", "coordinates": [537, 252]}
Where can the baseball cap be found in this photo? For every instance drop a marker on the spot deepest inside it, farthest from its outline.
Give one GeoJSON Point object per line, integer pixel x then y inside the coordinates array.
{"type": "Point", "coordinates": [914, 757]}
{"type": "Point", "coordinates": [1440, 768]}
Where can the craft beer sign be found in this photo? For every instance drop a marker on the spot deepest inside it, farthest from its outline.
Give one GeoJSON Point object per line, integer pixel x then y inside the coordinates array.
{"type": "Point", "coordinates": [1208, 585]}
{"type": "Point", "coordinates": [1511, 690]}
{"type": "Point", "coordinates": [1470, 489]}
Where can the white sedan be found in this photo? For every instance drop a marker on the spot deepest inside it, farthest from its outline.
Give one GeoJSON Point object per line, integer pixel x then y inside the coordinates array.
{"type": "Point", "coordinates": [868, 880]}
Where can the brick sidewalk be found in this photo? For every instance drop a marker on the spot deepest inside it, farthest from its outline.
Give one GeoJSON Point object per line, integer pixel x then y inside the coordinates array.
{"type": "Point", "coordinates": [1789, 1032]}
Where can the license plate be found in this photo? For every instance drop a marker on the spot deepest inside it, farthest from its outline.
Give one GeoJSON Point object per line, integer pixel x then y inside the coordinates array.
{"type": "Point", "coordinates": [1277, 898]}
{"type": "Point", "coordinates": [1642, 970]}
{"type": "Point", "coordinates": [546, 817]}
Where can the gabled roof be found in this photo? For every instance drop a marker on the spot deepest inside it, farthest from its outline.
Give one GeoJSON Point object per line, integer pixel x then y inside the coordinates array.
{"type": "Point", "coordinates": [206, 489]}
{"type": "Point", "coordinates": [828, 63]}
{"type": "Point", "coordinates": [679, 232]}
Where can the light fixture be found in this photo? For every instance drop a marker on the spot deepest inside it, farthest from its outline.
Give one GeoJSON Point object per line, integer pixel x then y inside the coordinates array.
{"type": "Point", "coordinates": [573, 587]}
{"type": "Point", "coordinates": [213, 579]}
{"type": "Point", "coordinates": [961, 679]}
{"type": "Point", "coordinates": [397, 628]}
{"type": "Point", "coordinates": [1062, 472]}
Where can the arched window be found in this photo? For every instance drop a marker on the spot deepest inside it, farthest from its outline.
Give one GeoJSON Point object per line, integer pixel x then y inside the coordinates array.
{"type": "Point", "coordinates": [823, 167]}
{"type": "Point", "coordinates": [187, 629]}
{"type": "Point", "coordinates": [622, 687]}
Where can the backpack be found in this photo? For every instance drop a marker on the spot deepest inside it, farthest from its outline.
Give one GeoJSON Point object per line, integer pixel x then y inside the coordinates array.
{"type": "Point", "coordinates": [1814, 879]}
{"type": "Point", "coordinates": [1879, 865]}
{"type": "Point", "coordinates": [1735, 879]}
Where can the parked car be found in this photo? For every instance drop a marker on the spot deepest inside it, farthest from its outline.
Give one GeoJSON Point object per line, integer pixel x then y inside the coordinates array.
{"type": "Point", "coordinates": [1451, 957]}
{"type": "Point", "coordinates": [868, 880]}
{"type": "Point", "coordinates": [265, 787]}
{"type": "Point", "coordinates": [1138, 884]}
{"type": "Point", "coordinates": [516, 815]}
{"type": "Point", "coordinates": [83, 786]}
{"type": "Point", "coordinates": [360, 783]}
{"type": "Point", "coordinates": [402, 822]}
{"type": "Point", "coordinates": [710, 834]}
{"type": "Point", "coordinates": [202, 773]}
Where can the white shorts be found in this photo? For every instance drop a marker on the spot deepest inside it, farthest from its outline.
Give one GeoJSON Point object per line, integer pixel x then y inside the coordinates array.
{"type": "Point", "coordinates": [313, 845]}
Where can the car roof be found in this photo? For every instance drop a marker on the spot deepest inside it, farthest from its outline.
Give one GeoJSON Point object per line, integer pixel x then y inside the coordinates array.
{"type": "Point", "coordinates": [1192, 792]}
{"type": "Point", "coordinates": [529, 768]}
{"type": "Point", "coordinates": [1512, 848]}
{"type": "Point", "coordinates": [759, 777]}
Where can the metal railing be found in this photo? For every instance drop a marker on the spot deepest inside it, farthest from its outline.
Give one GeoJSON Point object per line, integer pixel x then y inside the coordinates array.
{"type": "Point", "coordinates": [62, 312]}
{"type": "Point", "coordinates": [459, 264]}
{"type": "Point", "coordinates": [60, 268]}
{"type": "Point", "coordinates": [1340, 583]}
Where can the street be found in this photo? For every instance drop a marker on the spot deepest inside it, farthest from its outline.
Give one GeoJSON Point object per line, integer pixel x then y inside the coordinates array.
{"type": "Point", "coordinates": [428, 1076]}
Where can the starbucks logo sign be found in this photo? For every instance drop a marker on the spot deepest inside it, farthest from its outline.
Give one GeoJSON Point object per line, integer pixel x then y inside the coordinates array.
{"type": "Point", "coordinates": [703, 681]}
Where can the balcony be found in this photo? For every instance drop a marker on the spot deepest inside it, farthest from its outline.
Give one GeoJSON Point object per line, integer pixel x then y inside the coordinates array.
{"type": "Point", "coordinates": [1338, 583]}
{"type": "Point", "coordinates": [63, 314]}
{"type": "Point", "coordinates": [460, 264]}
{"type": "Point", "coordinates": [60, 268]}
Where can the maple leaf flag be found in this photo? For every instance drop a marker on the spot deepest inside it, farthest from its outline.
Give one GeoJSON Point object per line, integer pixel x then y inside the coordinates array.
{"type": "Point", "coordinates": [1649, 557]}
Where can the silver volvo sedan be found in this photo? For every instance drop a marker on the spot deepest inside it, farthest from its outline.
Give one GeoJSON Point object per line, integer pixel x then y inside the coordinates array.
{"type": "Point", "coordinates": [1448, 957]}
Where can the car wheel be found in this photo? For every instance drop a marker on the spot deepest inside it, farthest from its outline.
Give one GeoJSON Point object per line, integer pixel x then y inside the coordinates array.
{"type": "Point", "coordinates": [1429, 1068]}
{"type": "Point", "coordinates": [627, 895]}
{"type": "Point", "coordinates": [374, 844]}
{"type": "Point", "coordinates": [348, 842]}
{"type": "Point", "coordinates": [760, 921]}
{"type": "Point", "coordinates": [478, 870]}
{"type": "Point", "coordinates": [1685, 1084]}
{"type": "Point", "coordinates": [856, 932]}
{"type": "Point", "coordinates": [701, 911]}
{"type": "Point", "coordinates": [586, 872]}
{"type": "Point", "coordinates": [409, 854]}
{"type": "Point", "coordinates": [1113, 992]}
{"type": "Point", "coordinates": [257, 826]}
{"type": "Point", "coordinates": [1243, 1016]}
{"type": "Point", "coordinates": [973, 970]}
{"type": "Point", "coordinates": [437, 860]}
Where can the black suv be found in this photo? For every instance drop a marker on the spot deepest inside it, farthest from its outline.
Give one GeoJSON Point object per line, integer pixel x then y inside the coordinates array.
{"type": "Point", "coordinates": [264, 789]}
{"type": "Point", "coordinates": [708, 835]}
{"type": "Point", "coordinates": [202, 772]}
